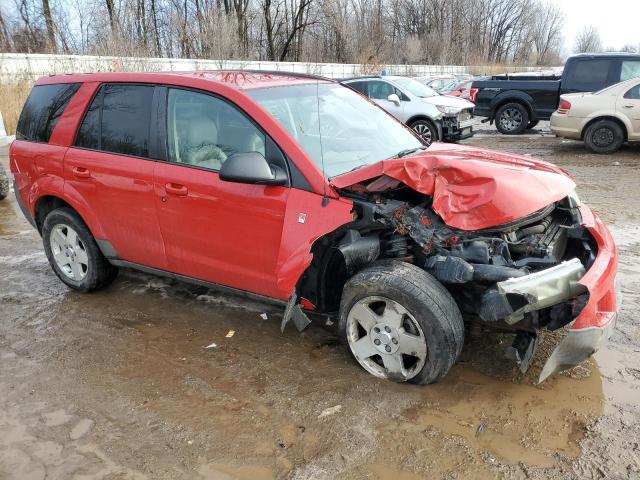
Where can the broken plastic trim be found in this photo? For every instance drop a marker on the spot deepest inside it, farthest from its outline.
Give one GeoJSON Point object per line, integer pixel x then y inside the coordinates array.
{"type": "Point", "coordinates": [544, 288]}
{"type": "Point", "coordinates": [576, 347]}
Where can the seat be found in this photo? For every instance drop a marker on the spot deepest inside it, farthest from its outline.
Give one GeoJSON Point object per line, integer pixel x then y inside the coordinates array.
{"type": "Point", "coordinates": [200, 148]}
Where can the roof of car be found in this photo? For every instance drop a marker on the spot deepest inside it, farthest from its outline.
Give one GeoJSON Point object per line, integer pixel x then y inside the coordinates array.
{"type": "Point", "coordinates": [239, 79]}
{"type": "Point", "coordinates": [606, 54]}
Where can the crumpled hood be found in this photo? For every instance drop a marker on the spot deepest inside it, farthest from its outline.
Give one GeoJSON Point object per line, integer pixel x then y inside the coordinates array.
{"type": "Point", "coordinates": [472, 188]}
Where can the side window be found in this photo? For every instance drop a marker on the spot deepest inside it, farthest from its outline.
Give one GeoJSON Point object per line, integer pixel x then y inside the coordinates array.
{"type": "Point", "coordinates": [118, 120]}
{"type": "Point", "coordinates": [203, 130]}
{"type": "Point", "coordinates": [634, 93]}
{"type": "Point", "coordinates": [381, 90]}
{"type": "Point", "coordinates": [359, 86]}
{"type": "Point", "coordinates": [43, 109]}
{"type": "Point", "coordinates": [589, 75]}
{"type": "Point", "coordinates": [630, 69]}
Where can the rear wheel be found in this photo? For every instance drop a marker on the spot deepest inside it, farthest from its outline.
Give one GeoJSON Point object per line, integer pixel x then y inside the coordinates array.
{"type": "Point", "coordinates": [73, 253]}
{"type": "Point", "coordinates": [400, 323]}
{"type": "Point", "coordinates": [426, 129]}
{"type": "Point", "coordinates": [512, 119]}
{"type": "Point", "coordinates": [604, 136]}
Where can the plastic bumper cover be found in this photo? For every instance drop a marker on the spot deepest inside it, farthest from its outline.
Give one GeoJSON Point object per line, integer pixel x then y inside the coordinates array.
{"type": "Point", "coordinates": [588, 332]}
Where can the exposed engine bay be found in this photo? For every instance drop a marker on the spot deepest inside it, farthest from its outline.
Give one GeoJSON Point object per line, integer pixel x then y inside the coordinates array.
{"type": "Point", "coordinates": [518, 277]}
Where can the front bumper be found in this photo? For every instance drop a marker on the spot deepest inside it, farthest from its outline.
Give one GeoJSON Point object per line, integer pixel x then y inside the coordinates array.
{"type": "Point", "coordinates": [453, 129]}
{"type": "Point", "coordinates": [593, 326]}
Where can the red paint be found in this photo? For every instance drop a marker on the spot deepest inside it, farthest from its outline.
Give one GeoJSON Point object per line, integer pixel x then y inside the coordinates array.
{"type": "Point", "coordinates": [601, 277]}
{"type": "Point", "coordinates": [472, 188]}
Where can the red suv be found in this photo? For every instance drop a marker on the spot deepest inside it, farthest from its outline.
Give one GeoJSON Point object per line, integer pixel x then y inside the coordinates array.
{"type": "Point", "coordinates": [295, 189]}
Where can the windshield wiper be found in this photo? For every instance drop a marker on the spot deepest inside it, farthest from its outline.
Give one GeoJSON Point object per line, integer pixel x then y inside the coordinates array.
{"type": "Point", "coordinates": [408, 151]}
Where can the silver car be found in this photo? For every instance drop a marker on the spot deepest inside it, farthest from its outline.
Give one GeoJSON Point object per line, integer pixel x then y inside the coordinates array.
{"type": "Point", "coordinates": [431, 115]}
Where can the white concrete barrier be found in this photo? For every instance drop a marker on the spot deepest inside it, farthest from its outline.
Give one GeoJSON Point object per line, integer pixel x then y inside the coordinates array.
{"type": "Point", "coordinates": [17, 66]}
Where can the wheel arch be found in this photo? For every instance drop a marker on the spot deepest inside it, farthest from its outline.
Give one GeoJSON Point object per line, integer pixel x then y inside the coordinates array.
{"type": "Point", "coordinates": [619, 121]}
{"type": "Point", "coordinates": [49, 202]}
{"type": "Point", "coordinates": [422, 116]}
{"type": "Point", "coordinates": [514, 97]}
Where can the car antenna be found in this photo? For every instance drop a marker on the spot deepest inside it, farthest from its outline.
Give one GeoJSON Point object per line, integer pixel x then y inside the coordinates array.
{"type": "Point", "coordinates": [325, 199]}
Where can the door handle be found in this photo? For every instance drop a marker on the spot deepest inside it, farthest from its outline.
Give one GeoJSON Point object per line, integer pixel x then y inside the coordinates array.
{"type": "Point", "coordinates": [81, 172]}
{"type": "Point", "coordinates": [176, 189]}
{"type": "Point", "coordinates": [628, 106]}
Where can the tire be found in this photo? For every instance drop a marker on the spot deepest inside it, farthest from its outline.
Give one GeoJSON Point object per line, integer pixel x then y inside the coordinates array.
{"type": "Point", "coordinates": [512, 119]}
{"type": "Point", "coordinates": [604, 136]}
{"type": "Point", "coordinates": [86, 269]}
{"type": "Point", "coordinates": [4, 185]}
{"type": "Point", "coordinates": [532, 124]}
{"type": "Point", "coordinates": [426, 129]}
{"type": "Point", "coordinates": [392, 293]}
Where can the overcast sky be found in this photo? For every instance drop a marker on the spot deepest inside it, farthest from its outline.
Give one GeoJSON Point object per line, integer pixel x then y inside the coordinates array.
{"type": "Point", "coordinates": [617, 20]}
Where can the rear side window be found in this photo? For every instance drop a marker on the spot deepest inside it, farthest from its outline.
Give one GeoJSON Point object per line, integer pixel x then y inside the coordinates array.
{"type": "Point", "coordinates": [589, 75]}
{"type": "Point", "coordinates": [630, 69]}
{"type": "Point", "coordinates": [43, 109]}
{"type": "Point", "coordinates": [118, 120]}
{"type": "Point", "coordinates": [634, 93]}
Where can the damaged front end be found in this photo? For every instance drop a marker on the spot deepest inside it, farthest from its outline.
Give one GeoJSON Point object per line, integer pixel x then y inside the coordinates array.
{"type": "Point", "coordinates": [530, 274]}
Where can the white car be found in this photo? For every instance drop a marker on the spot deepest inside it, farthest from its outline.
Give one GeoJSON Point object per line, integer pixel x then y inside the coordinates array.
{"type": "Point", "coordinates": [604, 119]}
{"type": "Point", "coordinates": [431, 115]}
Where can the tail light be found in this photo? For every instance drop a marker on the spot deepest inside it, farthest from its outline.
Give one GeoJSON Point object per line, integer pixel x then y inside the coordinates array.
{"type": "Point", "coordinates": [564, 106]}
{"type": "Point", "coordinates": [472, 94]}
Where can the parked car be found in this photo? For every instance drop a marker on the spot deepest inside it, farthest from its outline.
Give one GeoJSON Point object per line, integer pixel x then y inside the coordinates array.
{"type": "Point", "coordinates": [432, 116]}
{"type": "Point", "coordinates": [297, 190]}
{"type": "Point", "coordinates": [517, 105]}
{"type": "Point", "coordinates": [461, 90]}
{"type": "Point", "coordinates": [604, 120]}
{"type": "Point", "coordinates": [440, 83]}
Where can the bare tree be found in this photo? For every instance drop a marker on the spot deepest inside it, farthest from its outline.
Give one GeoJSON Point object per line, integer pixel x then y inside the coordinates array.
{"type": "Point", "coordinates": [588, 40]}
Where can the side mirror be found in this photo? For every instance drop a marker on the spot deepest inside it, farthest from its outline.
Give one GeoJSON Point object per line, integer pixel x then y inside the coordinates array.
{"type": "Point", "coordinates": [253, 168]}
{"type": "Point", "coordinates": [393, 98]}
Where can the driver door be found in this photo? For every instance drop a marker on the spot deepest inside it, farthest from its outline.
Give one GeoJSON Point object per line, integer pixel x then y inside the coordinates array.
{"type": "Point", "coordinates": [221, 232]}
{"type": "Point", "coordinates": [379, 91]}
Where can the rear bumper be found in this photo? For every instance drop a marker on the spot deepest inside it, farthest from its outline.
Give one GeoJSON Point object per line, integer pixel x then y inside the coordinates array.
{"type": "Point", "coordinates": [593, 326]}
{"type": "Point", "coordinates": [565, 126]}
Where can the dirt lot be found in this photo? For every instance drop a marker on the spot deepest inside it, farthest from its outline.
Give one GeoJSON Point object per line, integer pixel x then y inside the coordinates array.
{"type": "Point", "coordinates": [118, 384]}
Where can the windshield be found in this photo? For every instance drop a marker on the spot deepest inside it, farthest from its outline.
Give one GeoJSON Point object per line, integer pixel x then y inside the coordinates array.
{"type": "Point", "coordinates": [416, 88]}
{"type": "Point", "coordinates": [354, 131]}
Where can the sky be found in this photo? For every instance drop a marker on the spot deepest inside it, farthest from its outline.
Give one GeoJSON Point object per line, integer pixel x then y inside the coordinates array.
{"type": "Point", "coordinates": [617, 20]}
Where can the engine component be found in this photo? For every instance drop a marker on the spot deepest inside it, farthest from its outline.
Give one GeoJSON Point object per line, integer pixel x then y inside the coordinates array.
{"type": "Point", "coordinates": [449, 269]}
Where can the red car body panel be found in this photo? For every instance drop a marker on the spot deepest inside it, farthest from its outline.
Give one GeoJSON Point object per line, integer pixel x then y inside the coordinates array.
{"type": "Point", "coordinates": [472, 189]}
{"type": "Point", "coordinates": [600, 278]}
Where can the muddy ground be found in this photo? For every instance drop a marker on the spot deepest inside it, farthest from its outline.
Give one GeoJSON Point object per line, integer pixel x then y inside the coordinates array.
{"type": "Point", "coordinates": [118, 384]}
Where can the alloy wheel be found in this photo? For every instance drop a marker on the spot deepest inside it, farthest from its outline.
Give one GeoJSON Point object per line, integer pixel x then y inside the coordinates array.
{"type": "Point", "coordinates": [424, 131]}
{"type": "Point", "coordinates": [511, 119]}
{"type": "Point", "coordinates": [69, 252]}
{"type": "Point", "coordinates": [386, 339]}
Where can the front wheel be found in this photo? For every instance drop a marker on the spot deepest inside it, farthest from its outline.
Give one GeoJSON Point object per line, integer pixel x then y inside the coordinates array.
{"type": "Point", "coordinates": [512, 119]}
{"type": "Point", "coordinates": [400, 323]}
{"type": "Point", "coordinates": [73, 252]}
{"type": "Point", "coordinates": [604, 136]}
{"type": "Point", "coordinates": [427, 131]}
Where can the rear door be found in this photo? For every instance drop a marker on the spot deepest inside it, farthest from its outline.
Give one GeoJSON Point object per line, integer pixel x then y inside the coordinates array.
{"type": "Point", "coordinates": [629, 106]}
{"type": "Point", "coordinates": [110, 169]}
{"type": "Point", "coordinates": [221, 232]}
